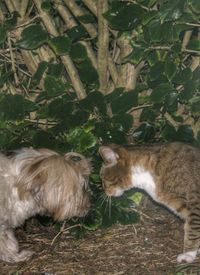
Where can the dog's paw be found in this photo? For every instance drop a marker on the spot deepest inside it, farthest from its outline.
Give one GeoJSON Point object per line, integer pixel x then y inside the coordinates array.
{"type": "Point", "coordinates": [187, 257]}
{"type": "Point", "coordinates": [24, 255]}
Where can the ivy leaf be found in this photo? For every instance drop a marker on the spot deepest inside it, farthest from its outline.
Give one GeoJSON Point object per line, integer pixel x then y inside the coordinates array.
{"type": "Point", "coordinates": [170, 69]}
{"type": "Point", "coordinates": [160, 92]}
{"type": "Point", "coordinates": [32, 37]}
{"type": "Point", "coordinates": [185, 133]}
{"type": "Point", "coordinates": [194, 44]}
{"type": "Point", "coordinates": [81, 139]}
{"type": "Point", "coordinates": [123, 16]}
{"type": "Point", "coordinates": [60, 44]}
{"type": "Point", "coordinates": [54, 86]}
{"type": "Point", "coordinates": [144, 133]}
{"type": "Point", "coordinates": [125, 102]}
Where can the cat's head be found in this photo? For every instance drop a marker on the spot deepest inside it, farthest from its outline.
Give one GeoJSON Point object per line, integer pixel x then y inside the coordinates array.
{"type": "Point", "coordinates": [115, 172]}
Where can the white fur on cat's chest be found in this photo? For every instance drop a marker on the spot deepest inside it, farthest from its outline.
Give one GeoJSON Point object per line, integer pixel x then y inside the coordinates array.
{"type": "Point", "coordinates": [143, 179]}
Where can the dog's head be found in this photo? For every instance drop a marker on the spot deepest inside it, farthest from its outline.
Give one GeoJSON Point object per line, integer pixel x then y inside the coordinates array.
{"type": "Point", "coordinates": [57, 183]}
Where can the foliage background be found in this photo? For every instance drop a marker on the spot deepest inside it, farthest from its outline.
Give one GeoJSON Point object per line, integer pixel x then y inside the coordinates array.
{"type": "Point", "coordinates": [76, 74]}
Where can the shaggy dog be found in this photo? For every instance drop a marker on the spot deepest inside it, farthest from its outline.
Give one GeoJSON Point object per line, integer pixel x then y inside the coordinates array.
{"type": "Point", "coordinates": [39, 182]}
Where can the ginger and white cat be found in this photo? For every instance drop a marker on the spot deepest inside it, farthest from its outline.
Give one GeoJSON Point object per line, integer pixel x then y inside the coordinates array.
{"type": "Point", "coordinates": [169, 173]}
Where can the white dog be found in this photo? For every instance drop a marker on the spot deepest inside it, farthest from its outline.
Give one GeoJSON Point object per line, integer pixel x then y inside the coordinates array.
{"type": "Point", "coordinates": [39, 182]}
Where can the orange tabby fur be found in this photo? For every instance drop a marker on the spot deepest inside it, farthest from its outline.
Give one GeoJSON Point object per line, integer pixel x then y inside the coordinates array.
{"type": "Point", "coordinates": [169, 173]}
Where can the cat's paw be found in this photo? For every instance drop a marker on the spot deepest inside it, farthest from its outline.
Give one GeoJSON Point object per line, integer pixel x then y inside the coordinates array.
{"type": "Point", "coordinates": [187, 257]}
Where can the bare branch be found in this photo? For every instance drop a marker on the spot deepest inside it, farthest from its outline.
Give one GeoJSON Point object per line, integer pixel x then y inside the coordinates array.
{"type": "Point", "coordinates": [103, 42]}
{"type": "Point", "coordinates": [78, 11]}
{"type": "Point", "coordinates": [13, 61]}
{"type": "Point", "coordinates": [66, 60]}
{"type": "Point", "coordinates": [92, 5]}
{"type": "Point", "coordinates": [23, 7]}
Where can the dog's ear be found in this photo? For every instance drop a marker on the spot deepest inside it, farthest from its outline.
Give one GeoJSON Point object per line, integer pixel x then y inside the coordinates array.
{"type": "Point", "coordinates": [32, 179]}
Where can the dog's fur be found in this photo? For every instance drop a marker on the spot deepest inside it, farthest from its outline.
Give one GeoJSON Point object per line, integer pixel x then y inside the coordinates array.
{"type": "Point", "coordinates": [39, 182]}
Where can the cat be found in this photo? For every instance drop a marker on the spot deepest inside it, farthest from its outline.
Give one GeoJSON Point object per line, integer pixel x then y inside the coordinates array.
{"type": "Point", "coordinates": [169, 173]}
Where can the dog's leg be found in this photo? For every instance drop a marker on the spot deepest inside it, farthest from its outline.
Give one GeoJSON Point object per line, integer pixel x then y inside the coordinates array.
{"type": "Point", "coordinates": [9, 250]}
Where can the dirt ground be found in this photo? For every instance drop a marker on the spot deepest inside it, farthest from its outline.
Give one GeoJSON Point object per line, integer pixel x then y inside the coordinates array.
{"type": "Point", "coordinates": [148, 247]}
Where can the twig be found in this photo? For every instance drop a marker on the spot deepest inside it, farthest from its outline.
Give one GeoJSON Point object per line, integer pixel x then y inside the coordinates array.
{"type": "Point", "coordinates": [103, 41]}
{"type": "Point", "coordinates": [62, 230]}
{"type": "Point", "coordinates": [140, 107]}
{"type": "Point", "coordinates": [12, 61]}
{"type": "Point", "coordinates": [26, 23]}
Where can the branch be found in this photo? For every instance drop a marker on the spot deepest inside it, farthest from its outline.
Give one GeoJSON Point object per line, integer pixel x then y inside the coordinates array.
{"type": "Point", "coordinates": [186, 39]}
{"type": "Point", "coordinates": [66, 60]}
{"type": "Point", "coordinates": [103, 42]}
{"type": "Point", "coordinates": [78, 11]}
{"type": "Point", "coordinates": [13, 61]}
{"type": "Point", "coordinates": [91, 5]}
{"type": "Point", "coordinates": [23, 7]}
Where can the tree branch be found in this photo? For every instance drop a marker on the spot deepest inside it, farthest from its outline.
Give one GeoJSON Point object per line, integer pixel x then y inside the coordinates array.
{"type": "Point", "coordinates": [103, 42]}
{"type": "Point", "coordinates": [66, 60]}
{"type": "Point", "coordinates": [78, 11]}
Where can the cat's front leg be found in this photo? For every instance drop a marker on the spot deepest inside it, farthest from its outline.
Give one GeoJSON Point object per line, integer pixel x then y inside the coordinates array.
{"type": "Point", "coordinates": [191, 242]}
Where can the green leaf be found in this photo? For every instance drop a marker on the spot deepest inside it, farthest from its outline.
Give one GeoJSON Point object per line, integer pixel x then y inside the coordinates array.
{"type": "Point", "coordinates": [93, 220]}
{"type": "Point", "coordinates": [94, 100]}
{"type": "Point", "coordinates": [32, 37]}
{"type": "Point", "coordinates": [195, 5]}
{"type": "Point", "coordinates": [43, 138]}
{"type": "Point", "coordinates": [160, 92]}
{"type": "Point", "coordinates": [78, 53]}
{"type": "Point", "coordinates": [156, 36]}
{"type": "Point", "coordinates": [170, 69]}
{"type": "Point", "coordinates": [87, 18]}
{"type": "Point", "coordinates": [169, 132]}
{"type": "Point", "coordinates": [54, 86]}
{"type": "Point", "coordinates": [15, 107]}
{"type": "Point", "coordinates": [188, 91]}
{"type": "Point", "coordinates": [123, 15]}
{"type": "Point", "coordinates": [10, 23]}
{"type": "Point", "coordinates": [144, 133]}
{"type": "Point", "coordinates": [81, 140]}
{"type": "Point", "coordinates": [3, 34]}
{"type": "Point", "coordinates": [60, 108]}
{"type": "Point", "coordinates": [195, 104]}
{"type": "Point", "coordinates": [156, 71]}
{"type": "Point", "coordinates": [149, 16]}
{"type": "Point", "coordinates": [185, 133]}
{"type": "Point", "coordinates": [172, 10]}
{"type": "Point", "coordinates": [76, 33]}
{"type": "Point", "coordinates": [88, 73]}
{"type": "Point", "coordinates": [194, 45]}
{"type": "Point", "coordinates": [114, 94]}
{"type": "Point", "coordinates": [171, 102]}
{"type": "Point", "coordinates": [46, 5]}
{"type": "Point", "coordinates": [183, 76]}
{"type": "Point", "coordinates": [35, 80]}
{"type": "Point", "coordinates": [60, 44]}
{"type": "Point", "coordinates": [135, 56]}
{"type": "Point", "coordinates": [153, 58]}
{"type": "Point", "coordinates": [55, 69]}
{"type": "Point", "coordinates": [125, 102]}
{"type": "Point", "coordinates": [123, 121]}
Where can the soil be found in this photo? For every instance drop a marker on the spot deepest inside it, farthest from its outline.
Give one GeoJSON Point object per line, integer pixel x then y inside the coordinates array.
{"type": "Point", "coordinates": [148, 247]}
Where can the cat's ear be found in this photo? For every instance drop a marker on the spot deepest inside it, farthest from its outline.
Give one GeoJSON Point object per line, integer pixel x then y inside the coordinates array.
{"type": "Point", "coordinates": [108, 155]}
